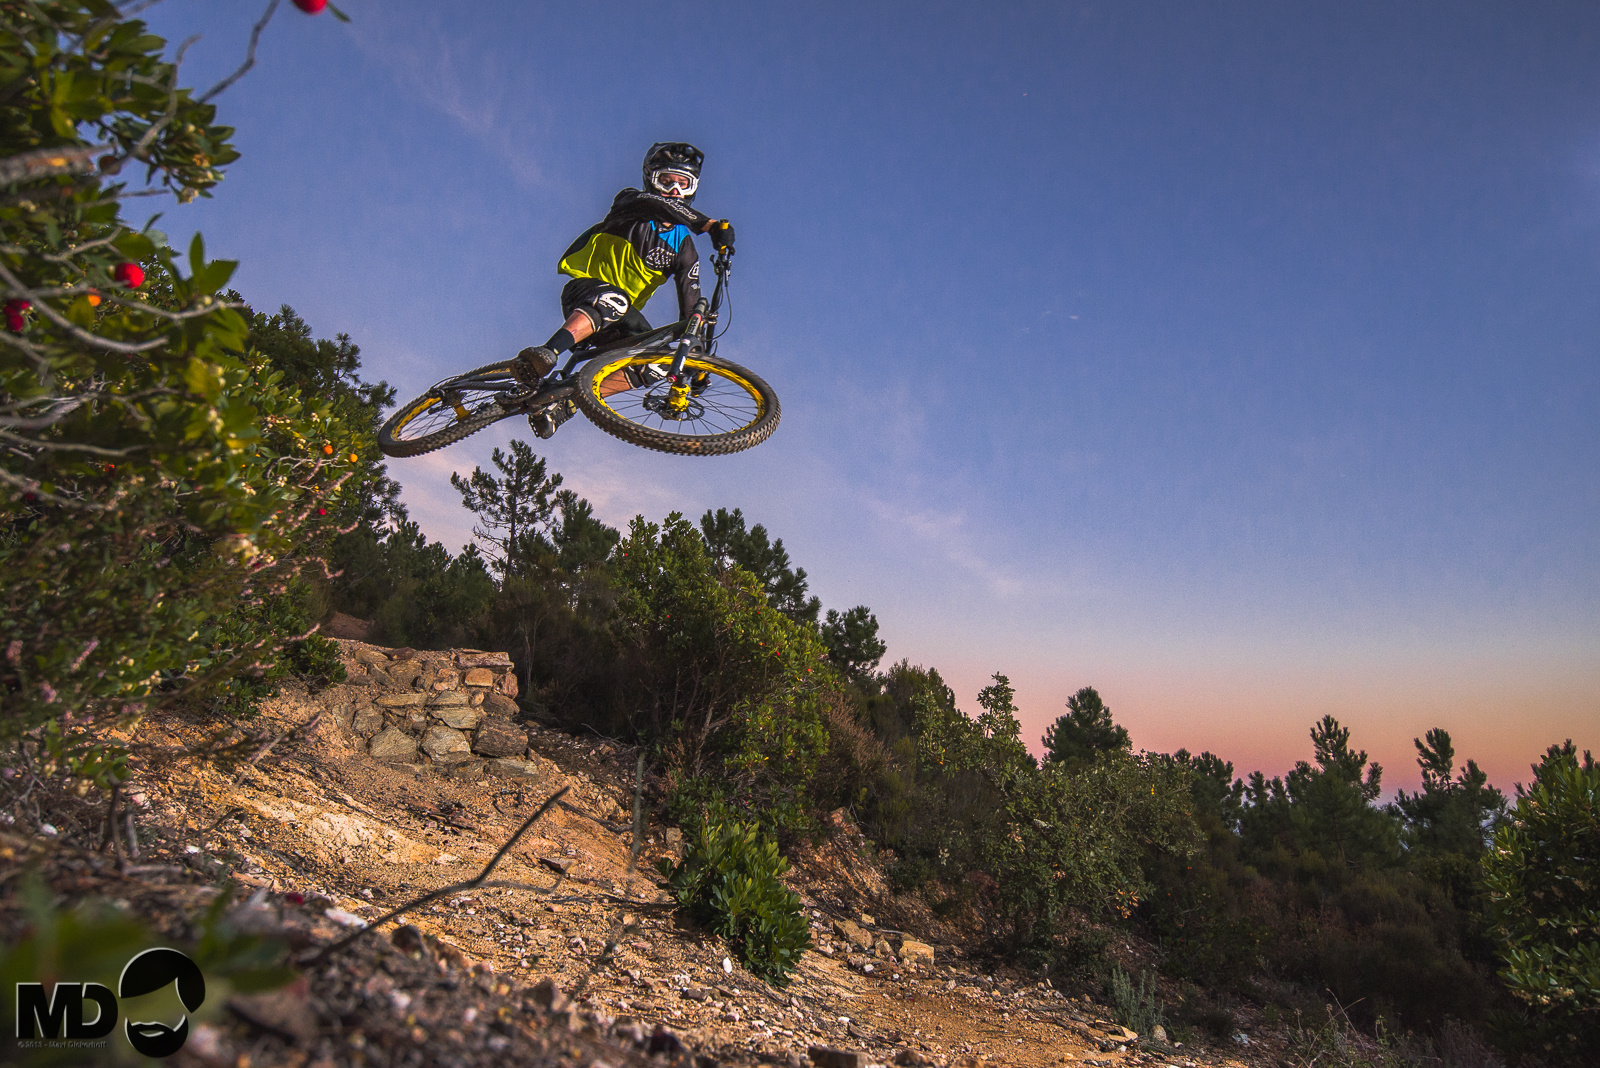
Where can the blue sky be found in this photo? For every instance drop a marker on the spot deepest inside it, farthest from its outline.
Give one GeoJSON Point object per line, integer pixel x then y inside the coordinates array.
{"type": "Point", "coordinates": [1240, 360]}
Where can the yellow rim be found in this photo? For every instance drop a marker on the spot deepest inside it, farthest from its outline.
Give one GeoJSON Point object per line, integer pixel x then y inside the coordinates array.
{"type": "Point", "coordinates": [428, 402]}
{"type": "Point", "coordinates": [679, 396]}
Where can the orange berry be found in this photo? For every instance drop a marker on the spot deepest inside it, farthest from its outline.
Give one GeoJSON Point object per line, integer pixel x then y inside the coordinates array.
{"type": "Point", "coordinates": [328, 449]}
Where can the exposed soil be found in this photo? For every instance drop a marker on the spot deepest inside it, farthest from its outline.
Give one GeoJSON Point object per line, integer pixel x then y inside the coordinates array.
{"type": "Point", "coordinates": [321, 834]}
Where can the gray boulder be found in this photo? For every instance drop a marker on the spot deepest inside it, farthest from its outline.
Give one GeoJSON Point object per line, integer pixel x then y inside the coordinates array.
{"type": "Point", "coordinates": [512, 768]}
{"type": "Point", "coordinates": [367, 720]}
{"type": "Point", "coordinates": [498, 704]}
{"type": "Point", "coordinates": [852, 932]}
{"type": "Point", "coordinates": [394, 745]}
{"type": "Point", "coordinates": [499, 738]}
{"type": "Point", "coordinates": [462, 718]}
{"type": "Point", "coordinates": [446, 745]}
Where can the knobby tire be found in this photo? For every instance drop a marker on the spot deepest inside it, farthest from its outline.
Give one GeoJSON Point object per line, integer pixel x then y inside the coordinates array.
{"type": "Point", "coordinates": [735, 411]}
{"type": "Point", "coordinates": [392, 439]}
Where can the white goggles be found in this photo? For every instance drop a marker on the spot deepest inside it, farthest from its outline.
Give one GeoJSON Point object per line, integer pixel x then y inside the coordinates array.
{"type": "Point", "coordinates": [667, 180]}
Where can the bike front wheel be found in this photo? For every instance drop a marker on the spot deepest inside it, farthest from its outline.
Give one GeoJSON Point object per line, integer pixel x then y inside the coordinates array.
{"type": "Point", "coordinates": [717, 407]}
{"type": "Point", "coordinates": [450, 411]}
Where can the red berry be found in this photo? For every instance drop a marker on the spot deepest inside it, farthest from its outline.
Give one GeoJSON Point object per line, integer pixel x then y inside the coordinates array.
{"type": "Point", "coordinates": [129, 274]}
{"type": "Point", "coordinates": [311, 7]}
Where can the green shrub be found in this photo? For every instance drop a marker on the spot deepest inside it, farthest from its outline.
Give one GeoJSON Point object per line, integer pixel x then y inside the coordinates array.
{"type": "Point", "coordinates": [735, 692]}
{"type": "Point", "coordinates": [160, 482]}
{"type": "Point", "coordinates": [1083, 957]}
{"type": "Point", "coordinates": [1135, 1007]}
{"type": "Point", "coordinates": [728, 881]}
{"type": "Point", "coordinates": [1543, 879]}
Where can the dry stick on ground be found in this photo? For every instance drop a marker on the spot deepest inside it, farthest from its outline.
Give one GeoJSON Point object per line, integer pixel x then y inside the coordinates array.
{"type": "Point", "coordinates": [443, 890]}
{"type": "Point", "coordinates": [236, 810]}
{"type": "Point", "coordinates": [111, 817]}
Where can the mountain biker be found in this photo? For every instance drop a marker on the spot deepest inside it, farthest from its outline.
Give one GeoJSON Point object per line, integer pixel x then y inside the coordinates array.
{"type": "Point", "coordinates": [619, 262]}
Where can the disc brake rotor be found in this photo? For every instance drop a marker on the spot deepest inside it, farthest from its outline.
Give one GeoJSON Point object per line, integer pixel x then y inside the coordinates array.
{"type": "Point", "coordinates": [661, 404]}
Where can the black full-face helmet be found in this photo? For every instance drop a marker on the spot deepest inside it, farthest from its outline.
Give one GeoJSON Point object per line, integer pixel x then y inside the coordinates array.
{"type": "Point", "coordinates": [667, 158]}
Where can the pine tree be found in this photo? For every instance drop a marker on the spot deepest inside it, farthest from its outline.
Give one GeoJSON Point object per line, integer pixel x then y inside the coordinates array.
{"type": "Point", "coordinates": [1085, 730]}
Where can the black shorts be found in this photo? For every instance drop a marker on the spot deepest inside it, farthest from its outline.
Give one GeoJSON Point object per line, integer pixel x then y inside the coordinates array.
{"type": "Point", "coordinates": [606, 306]}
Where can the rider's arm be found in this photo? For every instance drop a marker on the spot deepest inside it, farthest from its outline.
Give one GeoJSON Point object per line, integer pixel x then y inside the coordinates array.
{"type": "Point", "coordinates": [686, 272]}
{"type": "Point", "coordinates": [634, 204]}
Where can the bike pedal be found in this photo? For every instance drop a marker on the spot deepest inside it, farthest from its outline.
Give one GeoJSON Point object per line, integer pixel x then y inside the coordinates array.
{"type": "Point", "coordinates": [546, 422]}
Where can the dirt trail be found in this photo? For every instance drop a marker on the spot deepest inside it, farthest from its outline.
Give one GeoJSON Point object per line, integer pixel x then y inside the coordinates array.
{"type": "Point", "coordinates": [319, 820]}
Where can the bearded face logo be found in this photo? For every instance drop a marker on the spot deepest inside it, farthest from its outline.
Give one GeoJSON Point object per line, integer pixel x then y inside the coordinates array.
{"type": "Point", "coordinates": [145, 974]}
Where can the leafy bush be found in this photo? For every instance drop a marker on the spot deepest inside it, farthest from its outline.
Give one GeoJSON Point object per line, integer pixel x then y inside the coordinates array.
{"type": "Point", "coordinates": [160, 483]}
{"type": "Point", "coordinates": [1083, 840]}
{"type": "Point", "coordinates": [734, 690]}
{"type": "Point", "coordinates": [1135, 1007]}
{"type": "Point", "coordinates": [728, 881]}
{"type": "Point", "coordinates": [1543, 878]}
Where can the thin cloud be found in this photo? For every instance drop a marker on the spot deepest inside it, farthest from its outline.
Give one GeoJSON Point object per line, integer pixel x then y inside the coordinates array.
{"type": "Point", "coordinates": [946, 533]}
{"type": "Point", "coordinates": [466, 81]}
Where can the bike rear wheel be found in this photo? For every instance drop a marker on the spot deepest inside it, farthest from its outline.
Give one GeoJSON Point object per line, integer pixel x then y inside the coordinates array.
{"type": "Point", "coordinates": [720, 408]}
{"type": "Point", "coordinates": [451, 410]}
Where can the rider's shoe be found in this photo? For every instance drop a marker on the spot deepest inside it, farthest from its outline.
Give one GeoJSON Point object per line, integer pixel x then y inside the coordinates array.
{"type": "Point", "coordinates": [643, 374]}
{"type": "Point", "coordinates": [532, 364]}
{"type": "Point", "coordinates": [545, 421]}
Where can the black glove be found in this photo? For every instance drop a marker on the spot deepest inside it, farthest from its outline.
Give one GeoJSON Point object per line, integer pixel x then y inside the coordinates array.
{"type": "Point", "coordinates": [721, 235]}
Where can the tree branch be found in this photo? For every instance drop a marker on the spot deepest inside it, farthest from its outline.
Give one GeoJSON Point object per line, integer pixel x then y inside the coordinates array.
{"type": "Point", "coordinates": [250, 55]}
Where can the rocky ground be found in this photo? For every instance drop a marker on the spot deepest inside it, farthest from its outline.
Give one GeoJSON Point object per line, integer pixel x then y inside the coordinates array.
{"type": "Point", "coordinates": [569, 952]}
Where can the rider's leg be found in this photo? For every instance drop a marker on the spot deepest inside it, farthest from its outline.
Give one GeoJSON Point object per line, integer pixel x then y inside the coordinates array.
{"type": "Point", "coordinates": [533, 364]}
{"type": "Point", "coordinates": [615, 382]}
{"type": "Point", "coordinates": [590, 305]}
{"type": "Point", "coordinates": [628, 378]}
{"type": "Point", "coordinates": [577, 327]}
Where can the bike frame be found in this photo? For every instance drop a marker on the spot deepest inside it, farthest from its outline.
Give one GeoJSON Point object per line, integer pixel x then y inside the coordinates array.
{"type": "Point", "coordinates": [681, 336]}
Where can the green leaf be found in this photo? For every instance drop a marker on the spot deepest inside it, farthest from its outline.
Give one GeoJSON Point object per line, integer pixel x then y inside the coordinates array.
{"type": "Point", "coordinates": [202, 378]}
{"type": "Point", "coordinates": [214, 275]}
{"type": "Point", "coordinates": [136, 246]}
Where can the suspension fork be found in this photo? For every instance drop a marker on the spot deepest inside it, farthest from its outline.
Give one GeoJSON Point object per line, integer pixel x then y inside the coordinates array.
{"type": "Point", "coordinates": [691, 331]}
{"type": "Point", "coordinates": [703, 315]}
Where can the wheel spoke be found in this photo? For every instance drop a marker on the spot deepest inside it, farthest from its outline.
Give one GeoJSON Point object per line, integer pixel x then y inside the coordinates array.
{"type": "Point", "coordinates": [451, 410]}
{"type": "Point", "coordinates": [727, 408]}
{"type": "Point", "coordinates": [443, 412]}
{"type": "Point", "coordinates": [723, 407]}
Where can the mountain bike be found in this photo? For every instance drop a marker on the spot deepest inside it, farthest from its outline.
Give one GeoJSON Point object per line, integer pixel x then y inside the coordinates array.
{"type": "Point", "coordinates": [665, 390]}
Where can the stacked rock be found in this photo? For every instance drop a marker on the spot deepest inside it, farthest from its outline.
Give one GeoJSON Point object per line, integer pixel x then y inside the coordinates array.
{"type": "Point", "coordinates": [452, 709]}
